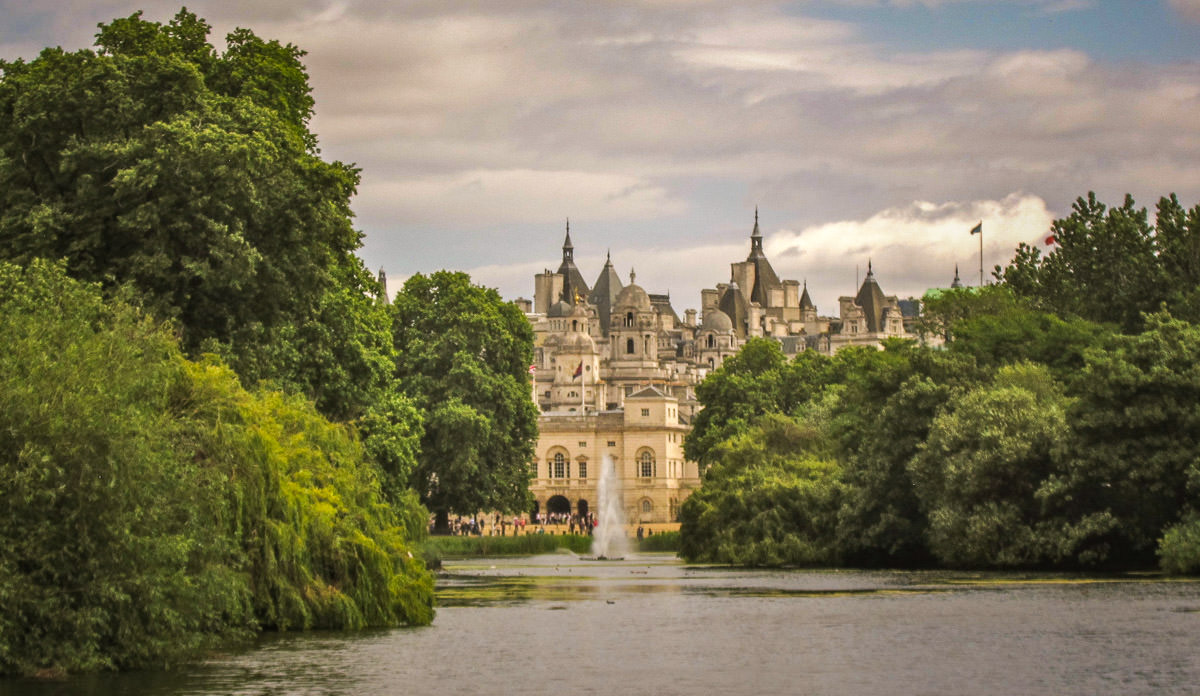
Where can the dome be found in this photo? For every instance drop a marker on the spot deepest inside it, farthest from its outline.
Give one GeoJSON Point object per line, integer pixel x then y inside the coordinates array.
{"type": "Point", "coordinates": [576, 342]}
{"type": "Point", "coordinates": [633, 296]}
{"type": "Point", "coordinates": [562, 308]}
{"type": "Point", "coordinates": [716, 320]}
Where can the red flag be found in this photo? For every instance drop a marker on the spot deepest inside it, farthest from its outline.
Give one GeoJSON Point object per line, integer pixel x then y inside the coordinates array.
{"type": "Point", "coordinates": [578, 370]}
{"type": "Point", "coordinates": [1051, 241]}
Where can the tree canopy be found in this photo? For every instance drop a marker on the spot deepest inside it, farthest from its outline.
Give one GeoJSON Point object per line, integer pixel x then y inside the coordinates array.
{"type": "Point", "coordinates": [154, 507]}
{"type": "Point", "coordinates": [190, 175]}
{"type": "Point", "coordinates": [1056, 428]}
{"type": "Point", "coordinates": [463, 356]}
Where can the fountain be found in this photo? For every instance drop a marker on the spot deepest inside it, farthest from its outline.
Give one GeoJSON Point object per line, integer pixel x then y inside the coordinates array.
{"type": "Point", "coordinates": [609, 541]}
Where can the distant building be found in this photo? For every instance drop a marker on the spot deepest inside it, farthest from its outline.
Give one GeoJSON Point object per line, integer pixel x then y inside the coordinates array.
{"type": "Point", "coordinates": [615, 370]}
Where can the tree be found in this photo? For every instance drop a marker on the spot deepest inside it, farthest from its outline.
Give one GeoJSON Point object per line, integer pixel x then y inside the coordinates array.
{"type": "Point", "coordinates": [192, 177]}
{"type": "Point", "coordinates": [1177, 237]}
{"type": "Point", "coordinates": [462, 357]}
{"type": "Point", "coordinates": [980, 471]}
{"type": "Point", "coordinates": [1136, 438]}
{"type": "Point", "coordinates": [1104, 266]}
{"type": "Point", "coordinates": [747, 385]}
{"type": "Point", "coordinates": [767, 500]}
{"type": "Point", "coordinates": [154, 508]}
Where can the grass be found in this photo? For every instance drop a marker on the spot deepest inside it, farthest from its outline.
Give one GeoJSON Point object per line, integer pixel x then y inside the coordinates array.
{"type": "Point", "coordinates": [435, 548]}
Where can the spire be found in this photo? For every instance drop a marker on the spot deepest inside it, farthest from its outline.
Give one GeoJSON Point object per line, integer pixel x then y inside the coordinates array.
{"type": "Point", "coordinates": [632, 275]}
{"type": "Point", "coordinates": [957, 283]}
{"type": "Point", "coordinates": [568, 247]}
{"type": "Point", "coordinates": [756, 248]}
{"type": "Point", "coordinates": [870, 273]}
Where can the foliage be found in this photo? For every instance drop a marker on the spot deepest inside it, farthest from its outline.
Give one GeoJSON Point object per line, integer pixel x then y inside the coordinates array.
{"type": "Point", "coordinates": [462, 358]}
{"type": "Point", "coordinates": [747, 385]}
{"type": "Point", "coordinates": [1112, 265]}
{"type": "Point", "coordinates": [660, 541]}
{"type": "Point", "coordinates": [1179, 548]}
{"type": "Point", "coordinates": [191, 176]}
{"type": "Point", "coordinates": [764, 502]}
{"type": "Point", "coordinates": [980, 471]}
{"type": "Point", "coordinates": [444, 546]}
{"type": "Point", "coordinates": [1136, 432]}
{"type": "Point", "coordinates": [106, 555]}
{"type": "Point", "coordinates": [153, 507]}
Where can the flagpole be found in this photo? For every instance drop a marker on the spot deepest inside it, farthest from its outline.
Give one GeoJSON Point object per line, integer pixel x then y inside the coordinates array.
{"type": "Point", "coordinates": [583, 392]}
{"type": "Point", "coordinates": [981, 253]}
{"type": "Point", "coordinates": [978, 229]}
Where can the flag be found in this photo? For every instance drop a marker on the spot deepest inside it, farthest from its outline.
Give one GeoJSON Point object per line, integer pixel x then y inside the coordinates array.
{"type": "Point", "coordinates": [977, 229]}
{"type": "Point", "coordinates": [1051, 241]}
{"type": "Point", "coordinates": [578, 370]}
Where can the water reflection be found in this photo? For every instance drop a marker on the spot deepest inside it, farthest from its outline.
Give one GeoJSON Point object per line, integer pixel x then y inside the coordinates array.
{"type": "Point", "coordinates": [559, 624]}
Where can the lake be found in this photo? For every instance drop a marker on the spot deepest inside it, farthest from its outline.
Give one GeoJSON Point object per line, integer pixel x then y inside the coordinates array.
{"type": "Point", "coordinates": [560, 624]}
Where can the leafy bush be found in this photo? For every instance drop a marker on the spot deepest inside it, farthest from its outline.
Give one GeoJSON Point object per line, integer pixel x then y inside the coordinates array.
{"type": "Point", "coordinates": [154, 508]}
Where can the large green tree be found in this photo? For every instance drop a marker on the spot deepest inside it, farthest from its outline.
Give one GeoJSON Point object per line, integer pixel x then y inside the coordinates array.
{"type": "Point", "coordinates": [769, 499]}
{"type": "Point", "coordinates": [748, 385]}
{"type": "Point", "coordinates": [462, 357]}
{"type": "Point", "coordinates": [153, 507]}
{"type": "Point", "coordinates": [191, 175]}
{"type": "Point", "coordinates": [1110, 264]}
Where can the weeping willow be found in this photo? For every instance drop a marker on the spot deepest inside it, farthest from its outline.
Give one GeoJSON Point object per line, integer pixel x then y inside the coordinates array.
{"type": "Point", "coordinates": [154, 508]}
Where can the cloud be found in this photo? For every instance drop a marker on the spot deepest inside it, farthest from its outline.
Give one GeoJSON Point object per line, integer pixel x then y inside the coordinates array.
{"type": "Point", "coordinates": [1188, 9]}
{"type": "Point", "coordinates": [912, 248]}
{"type": "Point", "coordinates": [499, 197]}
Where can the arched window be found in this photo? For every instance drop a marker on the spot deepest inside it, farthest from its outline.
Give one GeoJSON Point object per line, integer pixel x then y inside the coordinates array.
{"type": "Point", "coordinates": [629, 319]}
{"type": "Point", "coordinates": [647, 506]}
{"type": "Point", "coordinates": [712, 341]}
{"type": "Point", "coordinates": [629, 346]}
{"type": "Point", "coordinates": [574, 324]}
{"type": "Point", "coordinates": [646, 464]}
{"type": "Point", "coordinates": [560, 466]}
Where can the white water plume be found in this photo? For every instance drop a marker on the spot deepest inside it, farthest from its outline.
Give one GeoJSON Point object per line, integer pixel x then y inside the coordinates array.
{"type": "Point", "coordinates": [609, 540]}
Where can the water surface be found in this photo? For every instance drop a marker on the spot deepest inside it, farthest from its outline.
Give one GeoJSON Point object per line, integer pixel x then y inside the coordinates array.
{"type": "Point", "coordinates": [559, 624]}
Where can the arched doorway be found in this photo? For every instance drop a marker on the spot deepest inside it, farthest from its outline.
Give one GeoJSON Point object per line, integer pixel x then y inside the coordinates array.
{"type": "Point", "coordinates": [558, 509]}
{"type": "Point", "coordinates": [533, 514]}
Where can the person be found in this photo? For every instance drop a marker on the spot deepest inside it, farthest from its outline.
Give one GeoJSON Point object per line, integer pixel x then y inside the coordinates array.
{"type": "Point", "coordinates": [640, 533]}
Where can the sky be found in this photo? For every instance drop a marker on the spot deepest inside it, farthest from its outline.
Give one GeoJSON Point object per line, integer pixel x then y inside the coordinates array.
{"type": "Point", "coordinates": [862, 131]}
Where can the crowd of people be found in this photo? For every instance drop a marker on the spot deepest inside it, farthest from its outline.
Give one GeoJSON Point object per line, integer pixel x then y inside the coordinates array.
{"type": "Point", "coordinates": [499, 525]}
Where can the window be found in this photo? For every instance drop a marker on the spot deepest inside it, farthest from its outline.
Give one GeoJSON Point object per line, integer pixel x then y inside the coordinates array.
{"type": "Point", "coordinates": [612, 443]}
{"type": "Point", "coordinates": [645, 412]}
{"type": "Point", "coordinates": [629, 319]}
{"type": "Point", "coordinates": [582, 469]}
{"type": "Point", "coordinates": [560, 466]}
{"type": "Point", "coordinates": [583, 444]}
{"type": "Point", "coordinates": [646, 465]}
{"type": "Point", "coordinates": [647, 506]}
{"type": "Point", "coordinates": [712, 341]}
{"type": "Point", "coordinates": [629, 346]}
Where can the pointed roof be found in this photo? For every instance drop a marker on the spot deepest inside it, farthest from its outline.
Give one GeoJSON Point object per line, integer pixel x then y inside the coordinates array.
{"type": "Point", "coordinates": [649, 392]}
{"type": "Point", "coordinates": [605, 292]}
{"type": "Point", "coordinates": [870, 297]}
{"type": "Point", "coordinates": [733, 304]}
{"type": "Point", "coordinates": [573, 284]}
{"type": "Point", "coordinates": [806, 301]}
{"type": "Point", "coordinates": [764, 276]}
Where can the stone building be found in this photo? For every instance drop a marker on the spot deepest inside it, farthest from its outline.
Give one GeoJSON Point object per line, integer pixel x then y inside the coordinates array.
{"type": "Point", "coordinates": [615, 369]}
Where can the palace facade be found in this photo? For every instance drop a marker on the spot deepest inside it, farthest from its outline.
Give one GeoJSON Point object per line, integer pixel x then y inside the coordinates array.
{"type": "Point", "coordinates": [615, 370]}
